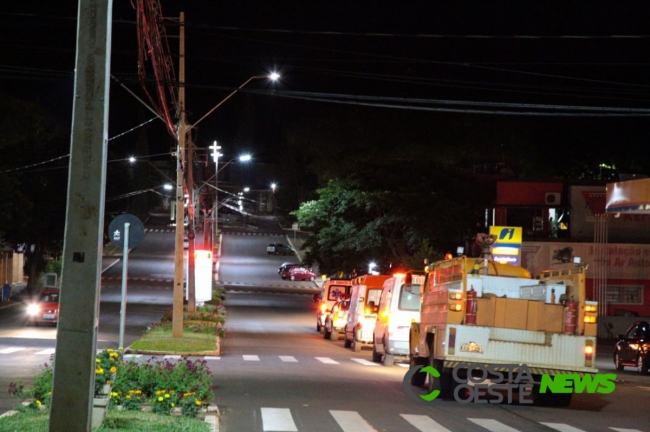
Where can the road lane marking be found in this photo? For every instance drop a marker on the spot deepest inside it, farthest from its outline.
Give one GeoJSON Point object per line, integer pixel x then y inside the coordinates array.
{"type": "Point", "coordinates": [248, 357]}
{"type": "Point", "coordinates": [562, 427]}
{"type": "Point", "coordinates": [277, 419]}
{"type": "Point", "coordinates": [365, 362]}
{"type": "Point", "coordinates": [172, 357]}
{"type": "Point", "coordinates": [11, 350]}
{"type": "Point", "coordinates": [288, 359]}
{"type": "Point", "coordinates": [351, 421]}
{"type": "Point", "coordinates": [48, 351]}
{"type": "Point", "coordinates": [326, 360]}
{"type": "Point", "coordinates": [624, 430]}
{"type": "Point", "coordinates": [424, 423]}
{"type": "Point", "coordinates": [492, 425]}
{"type": "Point", "coordinates": [211, 358]}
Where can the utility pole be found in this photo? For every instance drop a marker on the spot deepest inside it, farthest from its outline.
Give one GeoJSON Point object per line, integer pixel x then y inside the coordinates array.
{"type": "Point", "coordinates": [76, 341]}
{"type": "Point", "coordinates": [177, 308]}
{"type": "Point", "coordinates": [191, 287]}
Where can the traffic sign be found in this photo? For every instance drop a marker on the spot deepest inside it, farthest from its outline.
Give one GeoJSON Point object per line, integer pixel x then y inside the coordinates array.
{"type": "Point", "coordinates": [116, 230]}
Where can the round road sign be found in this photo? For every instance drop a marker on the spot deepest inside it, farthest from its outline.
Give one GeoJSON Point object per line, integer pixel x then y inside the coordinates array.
{"type": "Point", "coordinates": [116, 230]}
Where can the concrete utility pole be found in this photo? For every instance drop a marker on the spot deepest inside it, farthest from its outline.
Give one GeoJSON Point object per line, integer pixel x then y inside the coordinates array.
{"type": "Point", "coordinates": [74, 367]}
{"type": "Point", "coordinates": [191, 265]}
{"type": "Point", "coordinates": [177, 308]}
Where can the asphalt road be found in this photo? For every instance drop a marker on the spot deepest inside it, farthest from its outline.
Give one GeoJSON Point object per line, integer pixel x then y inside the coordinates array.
{"type": "Point", "coordinates": [276, 373]}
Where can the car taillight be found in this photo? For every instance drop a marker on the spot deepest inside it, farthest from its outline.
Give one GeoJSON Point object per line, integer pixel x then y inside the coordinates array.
{"type": "Point", "coordinates": [359, 325]}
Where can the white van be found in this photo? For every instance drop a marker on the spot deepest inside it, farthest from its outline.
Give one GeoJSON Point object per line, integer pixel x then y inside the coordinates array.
{"type": "Point", "coordinates": [332, 290]}
{"type": "Point", "coordinates": [397, 308]}
{"type": "Point", "coordinates": [364, 304]}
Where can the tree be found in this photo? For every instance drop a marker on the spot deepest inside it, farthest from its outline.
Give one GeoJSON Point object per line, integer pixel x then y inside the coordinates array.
{"type": "Point", "coordinates": [33, 182]}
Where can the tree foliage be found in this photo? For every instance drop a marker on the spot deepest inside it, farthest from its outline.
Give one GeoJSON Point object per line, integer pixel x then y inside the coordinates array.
{"type": "Point", "coordinates": [33, 181]}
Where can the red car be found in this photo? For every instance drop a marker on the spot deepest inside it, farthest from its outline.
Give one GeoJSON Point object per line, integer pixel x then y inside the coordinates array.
{"type": "Point", "coordinates": [45, 309]}
{"type": "Point", "coordinates": [301, 273]}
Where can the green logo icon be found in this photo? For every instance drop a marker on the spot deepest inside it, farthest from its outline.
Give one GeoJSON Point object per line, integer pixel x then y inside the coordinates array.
{"type": "Point", "coordinates": [434, 373]}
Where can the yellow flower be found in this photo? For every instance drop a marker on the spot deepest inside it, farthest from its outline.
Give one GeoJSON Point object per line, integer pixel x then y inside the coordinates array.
{"type": "Point", "coordinates": [138, 391]}
{"type": "Point", "coordinates": [128, 396]}
{"type": "Point", "coordinates": [198, 402]}
{"type": "Point", "coordinates": [173, 404]}
{"type": "Point", "coordinates": [160, 399]}
{"type": "Point", "coordinates": [97, 360]}
{"type": "Point", "coordinates": [167, 396]}
{"type": "Point", "coordinates": [39, 403]}
{"type": "Point", "coordinates": [113, 369]}
{"type": "Point", "coordinates": [108, 382]}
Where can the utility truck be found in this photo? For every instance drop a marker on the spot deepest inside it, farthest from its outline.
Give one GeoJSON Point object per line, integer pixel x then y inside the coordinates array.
{"type": "Point", "coordinates": [481, 315]}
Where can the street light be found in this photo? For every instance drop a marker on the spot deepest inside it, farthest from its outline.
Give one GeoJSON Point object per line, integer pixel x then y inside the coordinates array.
{"type": "Point", "coordinates": [215, 155]}
{"type": "Point", "coordinates": [274, 76]}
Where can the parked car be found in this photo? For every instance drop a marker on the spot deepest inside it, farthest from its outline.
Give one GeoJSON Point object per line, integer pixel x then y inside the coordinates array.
{"type": "Point", "coordinates": [45, 309]}
{"type": "Point", "coordinates": [279, 249]}
{"type": "Point", "coordinates": [633, 348]}
{"type": "Point", "coordinates": [301, 273]}
{"type": "Point", "coordinates": [335, 320]}
{"type": "Point", "coordinates": [285, 269]}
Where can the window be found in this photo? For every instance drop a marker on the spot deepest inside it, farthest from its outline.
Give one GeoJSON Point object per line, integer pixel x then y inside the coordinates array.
{"type": "Point", "coordinates": [624, 294]}
{"type": "Point", "coordinates": [409, 301]}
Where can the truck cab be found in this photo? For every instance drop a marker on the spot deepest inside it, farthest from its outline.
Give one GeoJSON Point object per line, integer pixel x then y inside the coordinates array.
{"type": "Point", "coordinates": [364, 304]}
{"type": "Point", "coordinates": [331, 292]}
{"type": "Point", "coordinates": [399, 305]}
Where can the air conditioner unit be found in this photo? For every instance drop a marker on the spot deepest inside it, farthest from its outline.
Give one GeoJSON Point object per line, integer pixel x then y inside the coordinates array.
{"type": "Point", "coordinates": [552, 198]}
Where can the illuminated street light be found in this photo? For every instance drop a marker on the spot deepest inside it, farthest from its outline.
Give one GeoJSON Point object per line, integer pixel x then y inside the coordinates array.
{"type": "Point", "coordinates": [371, 267]}
{"type": "Point", "coordinates": [215, 156]}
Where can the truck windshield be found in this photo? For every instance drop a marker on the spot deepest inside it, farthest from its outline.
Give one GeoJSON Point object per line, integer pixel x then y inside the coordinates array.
{"type": "Point", "coordinates": [409, 301]}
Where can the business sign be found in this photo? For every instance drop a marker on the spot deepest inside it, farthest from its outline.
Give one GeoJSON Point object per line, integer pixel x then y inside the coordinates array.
{"type": "Point", "coordinates": [507, 246]}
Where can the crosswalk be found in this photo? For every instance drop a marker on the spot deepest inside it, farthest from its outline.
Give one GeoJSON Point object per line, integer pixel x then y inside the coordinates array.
{"type": "Point", "coordinates": [244, 358]}
{"type": "Point", "coordinates": [282, 420]}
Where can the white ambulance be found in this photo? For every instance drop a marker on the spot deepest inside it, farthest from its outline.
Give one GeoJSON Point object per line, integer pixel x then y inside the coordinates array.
{"type": "Point", "coordinates": [362, 315]}
{"type": "Point", "coordinates": [398, 307]}
{"type": "Point", "coordinates": [331, 292]}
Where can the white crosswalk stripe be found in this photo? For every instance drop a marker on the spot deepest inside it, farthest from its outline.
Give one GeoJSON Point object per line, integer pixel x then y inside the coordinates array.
{"type": "Point", "coordinates": [424, 423]}
{"type": "Point", "coordinates": [211, 358]}
{"type": "Point", "coordinates": [249, 357]}
{"type": "Point", "coordinates": [326, 360]}
{"type": "Point", "coordinates": [365, 362]}
{"type": "Point", "coordinates": [172, 357]}
{"type": "Point", "coordinates": [288, 359]}
{"type": "Point", "coordinates": [48, 351]}
{"type": "Point", "coordinates": [351, 421]}
{"type": "Point", "coordinates": [278, 420]}
{"type": "Point", "coordinates": [492, 425]}
{"type": "Point", "coordinates": [562, 427]}
{"type": "Point", "coordinates": [624, 429]}
{"type": "Point", "coordinates": [11, 350]}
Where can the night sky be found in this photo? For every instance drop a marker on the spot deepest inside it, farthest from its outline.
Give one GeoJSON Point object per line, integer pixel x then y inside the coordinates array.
{"type": "Point", "coordinates": [468, 61]}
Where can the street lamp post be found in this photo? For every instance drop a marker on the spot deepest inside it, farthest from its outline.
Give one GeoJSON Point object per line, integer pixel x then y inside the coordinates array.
{"type": "Point", "coordinates": [215, 155]}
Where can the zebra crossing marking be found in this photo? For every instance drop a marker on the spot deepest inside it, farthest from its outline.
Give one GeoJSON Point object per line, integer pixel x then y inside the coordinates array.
{"type": "Point", "coordinates": [424, 423]}
{"type": "Point", "coordinates": [351, 421]}
{"type": "Point", "coordinates": [562, 427]}
{"type": "Point", "coordinates": [326, 360]}
{"type": "Point", "coordinates": [278, 420]}
{"type": "Point", "coordinates": [288, 359]}
{"type": "Point", "coordinates": [492, 425]}
{"type": "Point", "coordinates": [11, 350]}
{"type": "Point", "coordinates": [211, 358]}
{"type": "Point", "coordinates": [48, 351]}
{"type": "Point", "coordinates": [249, 357]}
{"type": "Point", "coordinates": [365, 362]}
{"type": "Point", "coordinates": [624, 429]}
